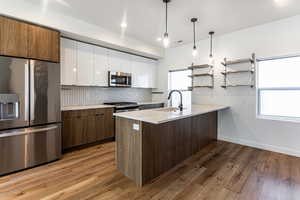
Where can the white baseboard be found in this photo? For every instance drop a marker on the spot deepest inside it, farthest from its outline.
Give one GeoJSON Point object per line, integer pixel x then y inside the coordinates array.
{"type": "Point", "coordinates": [267, 147]}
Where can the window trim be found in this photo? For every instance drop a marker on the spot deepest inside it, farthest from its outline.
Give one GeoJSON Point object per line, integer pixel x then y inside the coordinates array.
{"type": "Point", "coordinates": [178, 70]}
{"type": "Point", "coordinates": [182, 90]}
{"type": "Point", "coordinates": [258, 91]}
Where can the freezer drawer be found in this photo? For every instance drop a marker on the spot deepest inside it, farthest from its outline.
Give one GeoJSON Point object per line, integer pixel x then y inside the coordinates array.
{"type": "Point", "coordinates": [23, 148]}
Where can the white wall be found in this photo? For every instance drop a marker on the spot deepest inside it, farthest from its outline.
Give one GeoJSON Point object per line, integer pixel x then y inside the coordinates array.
{"type": "Point", "coordinates": [76, 28]}
{"type": "Point", "coordinates": [239, 124]}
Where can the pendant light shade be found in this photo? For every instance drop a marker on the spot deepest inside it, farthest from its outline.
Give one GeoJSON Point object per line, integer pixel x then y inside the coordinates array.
{"type": "Point", "coordinates": [211, 57]}
{"type": "Point", "coordinates": [166, 40]}
{"type": "Point", "coordinates": [195, 52]}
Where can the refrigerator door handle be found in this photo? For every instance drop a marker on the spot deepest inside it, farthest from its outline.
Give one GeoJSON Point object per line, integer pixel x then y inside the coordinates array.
{"type": "Point", "coordinates": [27, 131]}
{"type": "Point", "coordinates": [26, 94]}
{"type": "Point", "coordinates": [32, 91]}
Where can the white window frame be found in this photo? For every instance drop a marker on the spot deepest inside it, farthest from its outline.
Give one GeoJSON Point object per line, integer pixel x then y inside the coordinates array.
{"type": "Point", "coordinates": [186, 90]}
{"type": "Point", "coordinates": [259, 90]}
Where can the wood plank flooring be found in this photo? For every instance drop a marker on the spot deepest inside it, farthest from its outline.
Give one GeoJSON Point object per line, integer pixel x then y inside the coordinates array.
{"type": "Point", "coordinates": [220, 171]}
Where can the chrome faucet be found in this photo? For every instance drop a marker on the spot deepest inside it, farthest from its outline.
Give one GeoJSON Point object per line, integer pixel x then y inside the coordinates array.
{"type": "Point", "coordinates": [180, 105]}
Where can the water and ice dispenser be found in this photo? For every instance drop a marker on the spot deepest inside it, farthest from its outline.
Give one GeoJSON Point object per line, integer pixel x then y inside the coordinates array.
{"type": "Point", "coordinates": [9, 107]}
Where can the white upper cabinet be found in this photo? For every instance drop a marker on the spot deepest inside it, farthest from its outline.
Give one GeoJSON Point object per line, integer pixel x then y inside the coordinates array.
{"type": "Point", "coordinates": [88, 65]}
{"type": "Point", "coordinates": [85, 64]}
{"type": "Point", "coordinates": [100, 66]}
{"type": "Point", "coordinates": [139, 72]}
{"type": "Point", "coordinates": [68, 62]}
{"type": "Point", "coordinates": [153, 67]}
{"type": "Point", "coordinates": [119, 62]}
{"type": "Point", "coordinates": [144, 72]}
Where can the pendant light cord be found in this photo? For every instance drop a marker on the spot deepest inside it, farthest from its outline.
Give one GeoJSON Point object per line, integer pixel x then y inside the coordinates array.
{"type": "Point", "coordinates": [210, 46]}
{"type": "Point", "coordinates": [194, 35]}
{"type": "Point", "coordinates": [166, 16]}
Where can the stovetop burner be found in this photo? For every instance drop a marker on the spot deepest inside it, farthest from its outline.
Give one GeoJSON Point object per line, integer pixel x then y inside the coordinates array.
{"type": "Point", "coordinates": [121, 103]}
{"type": "Point", "coordinates": [124, 106]}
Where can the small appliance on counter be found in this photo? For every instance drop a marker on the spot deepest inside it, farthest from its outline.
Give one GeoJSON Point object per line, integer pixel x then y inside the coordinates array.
{"type": "Point", "coordinates": [30, 117]}
{"type": "Point", "coordinates": [124, 106]}
{"type": "Point", "coordinates": [119, 79]}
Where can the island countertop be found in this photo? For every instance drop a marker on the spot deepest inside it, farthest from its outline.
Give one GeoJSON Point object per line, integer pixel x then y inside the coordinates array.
{"type": "Point", "coordinates": [162, 115]}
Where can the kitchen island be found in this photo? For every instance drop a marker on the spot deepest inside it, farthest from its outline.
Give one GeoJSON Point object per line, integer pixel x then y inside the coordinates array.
{"type": "Point", "coordinates": [152, 142]}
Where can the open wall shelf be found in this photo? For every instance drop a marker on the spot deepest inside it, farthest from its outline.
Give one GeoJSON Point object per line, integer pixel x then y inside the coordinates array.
{"type": "Point", "coordinates": [238, 61]}
{"type": "Point", "coordinates": [200, 66]}
{"type": "Point", "coordinates": [196, 74]}
{"type": "Point", "coordinates": [238, 71]}
{"type": "Point", "coordinates": [200, 75]}
{"type": "Point", "coordinates": [227, 71]}
{"type": "Point", "coordinates": [237, 85]}
{"type": "Point", "coordinates": [201, 86]}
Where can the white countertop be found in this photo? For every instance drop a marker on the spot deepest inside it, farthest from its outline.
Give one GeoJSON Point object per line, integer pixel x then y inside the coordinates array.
{"type": "Point", "coordinates": [157, 116]}
{"type": "Point", "coordinates": [86, 107]}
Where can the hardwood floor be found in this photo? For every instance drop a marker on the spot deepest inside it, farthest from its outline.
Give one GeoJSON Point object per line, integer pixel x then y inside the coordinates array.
{"type": "Point", "coordinates": [220, 171]}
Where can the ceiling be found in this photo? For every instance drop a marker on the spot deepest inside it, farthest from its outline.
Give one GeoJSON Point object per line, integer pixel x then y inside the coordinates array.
{"type": "Point", "coordinates": [145, 18]}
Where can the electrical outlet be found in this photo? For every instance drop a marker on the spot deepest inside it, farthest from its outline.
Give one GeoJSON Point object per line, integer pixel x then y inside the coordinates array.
{"type": "Point", "coordinates": [136, 127]}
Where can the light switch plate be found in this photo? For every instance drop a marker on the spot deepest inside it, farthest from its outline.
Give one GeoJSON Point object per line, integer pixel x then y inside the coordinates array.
{"type": "Point", "coordinates": [136, 127]}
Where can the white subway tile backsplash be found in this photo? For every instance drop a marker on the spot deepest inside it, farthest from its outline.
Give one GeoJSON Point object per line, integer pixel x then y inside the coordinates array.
{"type": "Point", "coordinates": [73, 95]}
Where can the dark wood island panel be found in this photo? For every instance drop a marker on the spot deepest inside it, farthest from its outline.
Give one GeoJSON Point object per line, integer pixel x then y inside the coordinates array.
{"type": "Point", "coordinates": [144, 154]}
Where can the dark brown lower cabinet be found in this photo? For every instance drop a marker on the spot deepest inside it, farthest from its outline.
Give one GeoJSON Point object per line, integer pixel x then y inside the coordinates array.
{"type": "Point", "coordinates": [86, 126]}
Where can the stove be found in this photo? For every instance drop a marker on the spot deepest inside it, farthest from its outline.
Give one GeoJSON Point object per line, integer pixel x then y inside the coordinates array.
{"type": "Point", "coordinates": [124, 106]}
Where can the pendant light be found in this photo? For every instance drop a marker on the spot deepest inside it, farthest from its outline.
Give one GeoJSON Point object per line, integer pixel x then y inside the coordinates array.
{"type": "Point", "coordinates": [166, 40]}
{"type": "Point", "coordinates": [194, 20]}
{"type": "Point", "coordinates": [211, 57]}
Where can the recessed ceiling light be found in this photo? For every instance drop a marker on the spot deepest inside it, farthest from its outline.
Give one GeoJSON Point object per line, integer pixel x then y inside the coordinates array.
{"type": "Point", "coordinates": [124, 25]}
{"type": "Point", "coordinates": [159, 39]}
{"type": "Point", "coordinates": [63, 2]}
{"type": "Point", "coordinates": [281, 3]}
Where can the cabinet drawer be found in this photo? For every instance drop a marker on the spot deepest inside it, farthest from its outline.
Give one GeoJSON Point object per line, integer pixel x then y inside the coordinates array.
{"type": "Point", "coordinates": [100, 111]}
{"type": "Point", "coordinates": [77, 113]}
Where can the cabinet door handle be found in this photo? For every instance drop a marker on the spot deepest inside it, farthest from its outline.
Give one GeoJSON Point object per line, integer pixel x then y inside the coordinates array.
{"type": "Point", "coordinates": [99, 114]}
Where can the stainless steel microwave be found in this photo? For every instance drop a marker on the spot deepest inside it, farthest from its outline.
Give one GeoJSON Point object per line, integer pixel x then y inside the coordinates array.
{"type": "Point", "coordinates": [119, 79]}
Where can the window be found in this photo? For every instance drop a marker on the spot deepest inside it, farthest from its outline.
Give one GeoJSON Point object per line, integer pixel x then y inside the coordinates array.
{"type": "Point", "coordinates": [179, 80]}
{"type": "Point", "coordinates": [278, 88]}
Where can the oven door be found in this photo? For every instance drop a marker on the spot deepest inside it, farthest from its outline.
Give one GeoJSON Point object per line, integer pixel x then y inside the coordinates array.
{"type": "Point", "coordinates": [119, 79]}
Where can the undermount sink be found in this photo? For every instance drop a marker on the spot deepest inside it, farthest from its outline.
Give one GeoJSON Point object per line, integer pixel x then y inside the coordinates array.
{"type": "Point", "coordinates": [168, 109]}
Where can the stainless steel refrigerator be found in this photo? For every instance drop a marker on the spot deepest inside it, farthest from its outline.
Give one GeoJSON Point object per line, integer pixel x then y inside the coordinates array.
{"type": "Point", "coordinates": [30, 119]}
